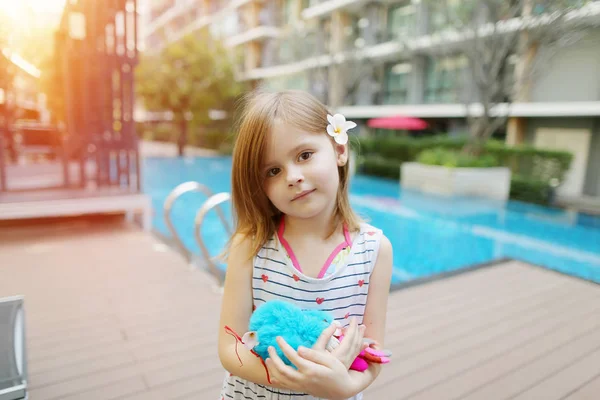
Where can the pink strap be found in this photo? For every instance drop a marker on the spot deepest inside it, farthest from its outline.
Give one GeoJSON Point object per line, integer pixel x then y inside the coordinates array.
{"type": "Point", "coordinates": [347, 243]}
{"type": "Point", "coordinates": [286, 245]}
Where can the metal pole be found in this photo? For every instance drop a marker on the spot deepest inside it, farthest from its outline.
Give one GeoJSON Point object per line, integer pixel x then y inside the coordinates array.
{"type": "Point", "coordinates": [71, 122]}
{"type": "Point", "coordinates": [85, 77]}
{"type": "Point", "coordinates": [134, 136]}
{"type": "Point", "coordinates": [212, 202]}
{"type": "Point", "coordinates": [65, 163]}
{"type": "Point", "coordinates": [2, 164]}
{"type": "Point", "coordinates": [59, 49]}
{"type": "Point", "coordinates": [168, 205]}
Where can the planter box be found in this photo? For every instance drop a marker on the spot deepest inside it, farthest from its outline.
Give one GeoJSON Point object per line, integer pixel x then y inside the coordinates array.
{"type": "Point", "coordinates": [491, 183]}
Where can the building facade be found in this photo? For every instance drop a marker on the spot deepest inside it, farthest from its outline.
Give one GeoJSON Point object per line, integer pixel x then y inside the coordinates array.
{"type": "Point", "coordinates": [21, 97]}
{"type": "Point", "coordinates": [352, 55]}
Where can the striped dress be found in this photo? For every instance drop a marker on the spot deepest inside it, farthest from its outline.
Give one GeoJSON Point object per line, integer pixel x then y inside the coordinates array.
{"type": "Point", "coordinates": [342, 293]}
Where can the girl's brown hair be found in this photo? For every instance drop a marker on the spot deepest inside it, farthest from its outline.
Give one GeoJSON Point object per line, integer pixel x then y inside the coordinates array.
{"type": "Point", "coordinates": [255, 216]}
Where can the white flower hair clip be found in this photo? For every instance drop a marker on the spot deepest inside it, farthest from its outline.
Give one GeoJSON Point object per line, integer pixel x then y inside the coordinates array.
{"type": "Point", "coordinates": [338, 128]}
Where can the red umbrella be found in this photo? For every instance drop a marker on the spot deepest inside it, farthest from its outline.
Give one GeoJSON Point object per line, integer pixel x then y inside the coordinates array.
{"type": "Point", "coordinates": [398, 122]}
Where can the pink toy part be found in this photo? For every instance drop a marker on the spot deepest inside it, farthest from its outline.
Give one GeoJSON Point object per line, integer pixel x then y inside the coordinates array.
{"type": "Point", "coordinates": [376, 356]}
{"type": "Point", "coordinates": [378, 353]}
{"type": "Point", "coordinates": [361, 362]}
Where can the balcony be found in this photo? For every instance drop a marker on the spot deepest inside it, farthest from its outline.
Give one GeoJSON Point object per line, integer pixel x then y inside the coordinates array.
{"type": "Point", "coordinates": [456, 110]}
{"type": "Point", "coordinates": [326, 8]}
{"type": "Point", "coordinates": [238, 3]}
{"type": "Point", "coordinates": [258, 33]}
{"type": "Point", "coordinates": [177, 35]}
{"type": "Point", "coordinates": [167, 16]}
{"type": "Point", "coordinates": [180, 9]}
{"type": "Point", "coordinates": [383, 51]}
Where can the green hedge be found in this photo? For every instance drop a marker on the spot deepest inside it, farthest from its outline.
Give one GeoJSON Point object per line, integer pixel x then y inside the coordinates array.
{"type": "Point", "coordinates": [209, 138]}
{"type": "Point", "coordinates": [532, 168]}
{"type": "Point", "coordinates": [527, 161]}
{"type": "Point", "coordinates": [164, 132]}
{"type": "Point", "coordinates": [379, 166]}
{"type": "Point", "coordinates": [405, 149]}
{"type": "Point", "coordinates": [454, 159]}
{"type": "Point", "coordinates": [530, 190]}
{"type": "Point", "coordinates": [523, 160]}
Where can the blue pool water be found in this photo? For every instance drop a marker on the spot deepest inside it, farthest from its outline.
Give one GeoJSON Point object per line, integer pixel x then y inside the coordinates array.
{"type": "Point", "coordinates": [429, 234]}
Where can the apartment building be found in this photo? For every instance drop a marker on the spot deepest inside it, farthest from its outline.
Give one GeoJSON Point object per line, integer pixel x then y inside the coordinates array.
{"type": "Point", "coordinates": [310, 45]}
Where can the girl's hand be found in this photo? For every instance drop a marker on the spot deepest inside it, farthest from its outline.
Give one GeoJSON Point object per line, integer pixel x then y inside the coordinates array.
{"type": "Point", "coordinates": [318, 373]}
{"type": "Point", "coordinates": [351, 345]}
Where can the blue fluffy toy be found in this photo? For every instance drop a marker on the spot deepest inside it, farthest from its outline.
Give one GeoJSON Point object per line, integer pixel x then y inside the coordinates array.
{"type": "Point", "coordinates": [296, 326]}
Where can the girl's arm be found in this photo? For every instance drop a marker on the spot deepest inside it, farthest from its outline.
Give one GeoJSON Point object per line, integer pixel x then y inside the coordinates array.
{"type": "Point", "coordinates": [236, 310]}
{"type": "Point", "coordinates": [375, 311]}
{"type": "Point", "coordinates": [324, 374]}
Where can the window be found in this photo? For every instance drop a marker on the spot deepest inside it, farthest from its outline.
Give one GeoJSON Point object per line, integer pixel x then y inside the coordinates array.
{"type": "Point", "coordinates": [545, 6]}
{"type": "Point", "coordinates": [401, 21]}
{"type": "Point", "coordinates": [268, 53]}
{"type": "Point", "coordinates": [288, 11]}
{"type": "Point", "coordinates": [230, 24]}
{"type": "Point", "coordinates": [351, 32]}
{"type": "Point", "coordinates": [310, 3]}
{"type": "Point", "coordinates": [296, 81]}
{"type": "Point", "coordinates": [396, 83]}
{"type": "Point", "coordinates": [444, 79]}
{"type": "Point", "coordinates": [441, 14]}
{"type": "Point", "coordinates": [285, 50]}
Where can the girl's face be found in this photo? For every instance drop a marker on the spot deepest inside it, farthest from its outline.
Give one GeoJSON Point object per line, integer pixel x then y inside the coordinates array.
{"type": "Point", "coordinates": [300, 171]}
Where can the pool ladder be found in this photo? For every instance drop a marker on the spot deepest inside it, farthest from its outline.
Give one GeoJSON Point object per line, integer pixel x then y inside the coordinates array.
{"type": "Point", "coordinates": [213, 201]}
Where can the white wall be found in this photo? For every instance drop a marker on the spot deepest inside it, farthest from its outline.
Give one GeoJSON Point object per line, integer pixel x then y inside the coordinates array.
{"type": "Point", "coordinates": [575, 141]}
{"type": "Point", "coordinates": [573, 74]}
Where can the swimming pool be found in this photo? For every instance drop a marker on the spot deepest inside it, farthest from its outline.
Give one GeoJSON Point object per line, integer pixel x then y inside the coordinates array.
{"type": "Point", "coordinates": [429, 234]}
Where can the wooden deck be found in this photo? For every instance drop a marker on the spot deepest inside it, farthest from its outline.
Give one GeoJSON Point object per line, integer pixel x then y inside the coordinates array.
{"type": "Point", "coordinates": [112, 313]}
{"type": "Point", "coordinates": [44, 174]}
{"type": "Point", "coordinates": [63, 203]}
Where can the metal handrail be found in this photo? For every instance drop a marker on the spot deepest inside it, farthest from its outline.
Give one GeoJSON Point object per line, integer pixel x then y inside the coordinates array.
{"type": "Point", "coordinates": [168, 205]}
{"type": "Point", "coordinates": [212, 202]}
{"type": "Point", "coordinates": [13, 346]}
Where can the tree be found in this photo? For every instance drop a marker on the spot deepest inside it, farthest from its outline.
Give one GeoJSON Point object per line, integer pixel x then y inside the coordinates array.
{"type": "Point", "coordinates": [506, 44]}
{"type": "Point", "coordinates": [189, 78]}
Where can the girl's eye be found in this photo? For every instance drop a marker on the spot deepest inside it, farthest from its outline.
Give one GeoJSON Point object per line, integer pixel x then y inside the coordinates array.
{"type": "Point", "coordinates": [272, 172]}
{"type": "Point", "coordinates": [305, 155]}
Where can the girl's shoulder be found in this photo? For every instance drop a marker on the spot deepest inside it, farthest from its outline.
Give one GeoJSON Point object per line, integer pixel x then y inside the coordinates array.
{"type": "Point", "coordinates": [371, 237]}
{"type": "Point", "coordinates": [270, 250]}
{"type": "Point", "coordinates": [241, 248]}
{"type": "Point", "coordinates": [370, 230]}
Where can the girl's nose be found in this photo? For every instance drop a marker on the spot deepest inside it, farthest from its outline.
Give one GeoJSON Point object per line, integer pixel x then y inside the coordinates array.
{"type": "Point", "coordinates": [294, 178]}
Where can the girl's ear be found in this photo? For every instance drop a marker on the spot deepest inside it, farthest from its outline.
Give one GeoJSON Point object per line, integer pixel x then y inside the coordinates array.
{"type": "Point", "coordinates": [342, 154]}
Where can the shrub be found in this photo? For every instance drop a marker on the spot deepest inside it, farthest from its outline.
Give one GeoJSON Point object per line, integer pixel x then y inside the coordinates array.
{"type": "Point", "coordinates": [524, 160]}
{"type": "Point", "coordinates": [530, 190]}
{"type": "Point", "coordinates": [454, 159]}
{"type": "Point", "coordinates": [379, 166]}
{"type": "Point", "coordinates": [532, 169]}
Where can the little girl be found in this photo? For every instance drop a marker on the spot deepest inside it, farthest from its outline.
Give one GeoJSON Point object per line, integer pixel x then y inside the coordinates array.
{"type": "Point", "coordinates": [297, 239]}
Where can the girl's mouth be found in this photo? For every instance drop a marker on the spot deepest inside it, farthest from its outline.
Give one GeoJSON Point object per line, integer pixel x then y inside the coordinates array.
{"type": "Point", "coordinates": [303, 194]}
